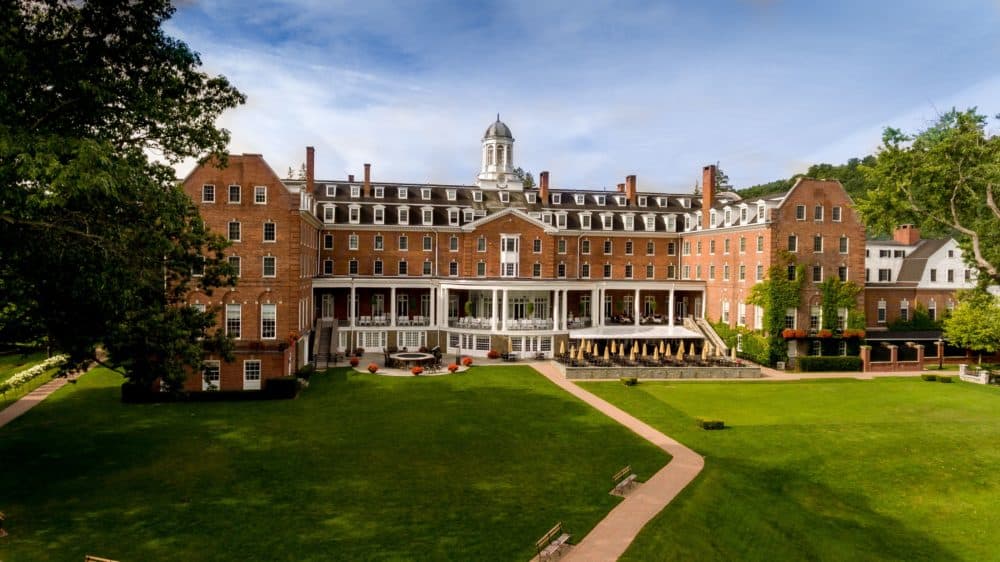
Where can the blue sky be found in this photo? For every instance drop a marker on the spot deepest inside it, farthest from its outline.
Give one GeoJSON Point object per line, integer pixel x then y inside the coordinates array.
{"type": "Point", "coordinates": [593, 91]}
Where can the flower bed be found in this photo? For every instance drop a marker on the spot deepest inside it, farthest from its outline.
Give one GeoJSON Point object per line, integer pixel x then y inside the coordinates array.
{"type": "Point", "coordinates": [23, 377]}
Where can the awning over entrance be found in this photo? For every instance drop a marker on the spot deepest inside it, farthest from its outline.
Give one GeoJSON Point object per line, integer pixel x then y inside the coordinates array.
{"type": "Point", "coordinates": [652, 332]}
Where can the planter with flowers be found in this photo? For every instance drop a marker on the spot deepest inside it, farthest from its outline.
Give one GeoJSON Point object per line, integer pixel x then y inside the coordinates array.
{"type": "Point", "coordinates": [372, 368]}
{"type": "Point", "coordinates": [417, 370]}
{"type": "Point", "coordinates": [791, 334]}
{"type": "Point", "coordinates": [493, 354]}
{"type": "Point", "coordinates": [854, 333]}
{"type": "Point", "coordinates": [453, 367]}
{"type": "Point", "coordinates": [355, 361]}
{"type": "Point", "coordinates": [825, 334]}
{"type": "Point", "coordinates": [467, 361]}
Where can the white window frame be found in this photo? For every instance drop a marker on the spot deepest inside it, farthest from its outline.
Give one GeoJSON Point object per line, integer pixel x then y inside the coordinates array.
{"type": "Point", "coordinates": [252, 376]}
{"type": "Point", "coordinates": [259, 190]}
{"type": "Point", "coordinates": [557, 198]}
{"type": "Point", "coordinates": [268, 311]}
{"type": "Point", "coordinates": [274, 232]}
{"type": "Point", "coordinates": [403, 215]}
{"type": "Point", "coordinates": [263, 266]}
{"type": "Point", "coordinates": [425, 193]}
{"type": "Point", "coordinates": [329, 213]}
{"type": "Point", "coordinates": [204, 191]}
{"type": "Point", "coordinates": [378, 214]}
{"type": "Point", "coordinates": [354, 214]}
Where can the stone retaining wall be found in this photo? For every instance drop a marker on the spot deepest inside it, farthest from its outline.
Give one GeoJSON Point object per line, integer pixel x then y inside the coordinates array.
{"type": "Point", "coordinates": [664, 372]}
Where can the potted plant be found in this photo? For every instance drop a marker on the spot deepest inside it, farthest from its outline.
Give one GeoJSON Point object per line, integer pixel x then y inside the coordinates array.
{"type": "Point", "coordinates": [493, 354]}
{"type": "Point", "coordinates": [372, 368]}
{"type": "Point", "coordinates": [825, 334]}
{"type": "Point", "coordinates": [417, 370]}
{"type": "Point", "coordinates": [529, 309]}
{"type": "Point", "coordinates": [355, 361]}
{"type": "Point", "coordinates": [468, 308]}
{"type": "Point", "coordinates": [788, 333]}
{"type": "Point", "coordinates": [467, 361]}
{"type": "Point", "coordinates": [453, 367]}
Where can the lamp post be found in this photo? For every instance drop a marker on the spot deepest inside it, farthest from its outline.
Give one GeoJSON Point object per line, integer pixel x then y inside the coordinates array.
{"type": "Point", "coordinates": [940, 353]}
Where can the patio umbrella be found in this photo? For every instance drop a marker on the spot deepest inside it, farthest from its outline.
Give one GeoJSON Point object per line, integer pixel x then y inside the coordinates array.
{"type": "Point", "coordinates": [644, 349]}
{"type": "Point", "coordinates": [510, 345]}
{"type": "Point", "coordinates": [656, 354]}
{"type": "Point", "coordinates": [635, 347]}
{"type": "Point", "coordinates": [621, 351]}
{"type": "Point", "coordinates": [734, 354]}
{"type": "Point", "coordinates": [661, 346]}
{"type": "Point", "coordinates": [708, 349]}
{"type": "Point", "coordinates": [680, 351]}
{"type": "Point", "coordinates": [572, 351]}
{"type": "Point", "coordinates": [613, 346]}
{"type": "Point", "coordinates": [668, 352]}
{"type": "Point", "coordinates": [606, 356]}
{"type": "Point", "coordinates": [704, 352]}
{"type": "Point", "coordinates": [562, 347]}
{"type": "Point", "coordinates": [691, 351]}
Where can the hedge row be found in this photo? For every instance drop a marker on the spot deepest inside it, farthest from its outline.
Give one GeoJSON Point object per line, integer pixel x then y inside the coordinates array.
{"type": "Point", "coordinates": [281, 388]}
{"type": "Point", "coordinates": [939, 378]}
{"type": "Point", "coordinates": [707, 423]}
{"type": "Point", "coordinates": [756, 348]}
{"type": "Point", "coordinates": [831, 363]}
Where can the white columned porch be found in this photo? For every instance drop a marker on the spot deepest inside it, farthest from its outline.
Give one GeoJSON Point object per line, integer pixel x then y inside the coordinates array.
{"type": "Point", "coordinates": [494, 311]}
{"type": "Point", "coordinates": [595, 307]}
{"type": "Point", "coordinates": [703, 303]}
{"type": "Point", "coordinates": [564, 323]}
{"type": "Point", "coordinates": [555, 310]}
{"type": "Point", "coordinates": [670, 308]}
{"type": "Point", "coordinates": [504, 310]}
{"type": "Point", "coordinates": [635, 308]}
{"type": "Point", "coordinates": [431, 311]}
{"type": "Point", "coordinates": [445, 303]}
{"type": "Point", "coordinates": [392, 306]}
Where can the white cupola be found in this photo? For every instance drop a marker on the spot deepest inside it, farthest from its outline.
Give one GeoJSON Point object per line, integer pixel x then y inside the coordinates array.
{"type": "Point", "coordinates": [497, 168]}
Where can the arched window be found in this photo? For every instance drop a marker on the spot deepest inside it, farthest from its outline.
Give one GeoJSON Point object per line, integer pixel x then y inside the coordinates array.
{"type": "Point", "coordinates": [500, 156]}
{"type": "Point", "coordinates": [510, 155]}
{"type": "Point", "coordinates": [489, 158]}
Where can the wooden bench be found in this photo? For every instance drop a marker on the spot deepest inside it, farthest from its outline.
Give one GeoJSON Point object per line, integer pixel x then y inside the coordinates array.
{"type": "Point", "coordinates": [90, 558]}
{"type": "Point", "coordinates": [550, 543]}
{"type": "Point", "coordinates": [623, 480]}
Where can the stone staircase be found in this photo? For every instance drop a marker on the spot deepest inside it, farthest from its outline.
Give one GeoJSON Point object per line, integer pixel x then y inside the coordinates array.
{"type": "Point", "coordinates": [704, 328]}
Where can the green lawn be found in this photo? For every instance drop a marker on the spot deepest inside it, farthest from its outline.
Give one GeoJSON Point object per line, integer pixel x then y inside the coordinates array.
{"type": "Point", "coordinates": [467, 467]}
{"type": "Point", "coordinates": [891, 469]}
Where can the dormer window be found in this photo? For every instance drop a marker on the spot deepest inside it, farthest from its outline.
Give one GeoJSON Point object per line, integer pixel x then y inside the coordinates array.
{"type": "Point", "coordinates": [729, 216]}
{"type": "Point", "coordinates": [650, 222]}
{"type": "Point", "coordinates": [354, 214]}
{"type": "Point", "coordinates": [761, 213]}
{"type": "Point", "coordinates": [685, 202]}
{"type": "Point", "coordinates": [427, 216]}
{"type": "Point", "coordinates": [530, 198]}
{"type": "Point", "coordinates": [561, 220]}
{"type": "Point", "coordinates": [451, 194]}
{"type": "Point", "coordinates": [504, 197]}
{"type": "Point", "coordinates": [331, 191]}
{"type": "Point", "coordinates": [401, 193]}
{"type": "Point", "coordinates": [379, 192]}
{"type": "Point", "coordinates": [557, 198]}
{"type": "Point", "coordinates": [403, 215]}
{"type": "Point", "coordinates": [467, 215]}
{"type": "Point", "coordinates": [697, 221]}
{"type": "Point", "coordinates": [355, 191]}
{"type": "Point", "coordinates": [607, 221]}
{"type": "Point", "coordinates": [453, 216]}
{"type": "Point", "coordinates": [585, 221]}
{"type": "Point", "coordinates": [671, 223]}
{"type": "Point", "coordinates": [629, 221]}
{"type": "Point", "coordinates": [661, 201]}
{"type": "Point", "coordinates": [642, 200]}
{"type": "Point", "coordinates": [477, 196]}
{"type": "Point", "coordinates": [379, 214]}
{"type": "Point", "coordinates": [328, 213]}
{"type": "Point", "coordinates": [743, 215]}
{"type": "Point", "coordinates": [687, 222]}
{"type": "Point", "coordinates": [580, 198]}
{"type": "Point", "coordinates": [600, 200]}
{"type": "Point", "coordinates": [620, 199]}
{"type": "Point", "coordinates": [425, 193]}
{"type": "Point", "coordinates": [712, 218]}
{"type": "Point", "coordinates": [547, 218]}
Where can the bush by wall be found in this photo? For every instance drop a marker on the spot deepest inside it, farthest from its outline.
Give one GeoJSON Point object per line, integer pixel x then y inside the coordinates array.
{"type": "Point", "coordinates": [831, 363]}
{"type": "Point", "coordinates": [928, 377]}
{"type": "Point", "coordinates": [945, 378]}
{"type": "Point", "coordinates": [756, 348]}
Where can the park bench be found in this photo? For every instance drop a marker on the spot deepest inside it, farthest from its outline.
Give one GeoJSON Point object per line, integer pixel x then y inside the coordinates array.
{"type": "Point", "coordinates": [91, 558]}
{"type": "Point", "coordinates": [623, 480]}
{"type": "Point", "coordinates": [551, 542]}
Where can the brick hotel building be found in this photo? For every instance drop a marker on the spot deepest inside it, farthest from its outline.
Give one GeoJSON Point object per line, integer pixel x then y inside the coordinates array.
{"type": "Point", "coordinates": [340, 264]}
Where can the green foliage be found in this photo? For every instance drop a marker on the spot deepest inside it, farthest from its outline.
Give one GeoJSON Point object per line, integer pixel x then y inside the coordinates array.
{"type": "Point", "coordinates": [850, 175]}
{"type": "Point", "coordinates": [526, 178]}
{"type": "Point", "coordinates": [775, 295]}
{"type": "Point", "coordinates": [835, 295]}
{"type": "Point", "coordinates": [629, 381]}
{"type": "Point", "coordinates": [975, 322]}
{"type": "Point", "coordinates": [928, 377]}
{"type": "Point", "coordinates": [920, 319]}
{"type": "Point", "coordinates": [708, 423]}
{"type": "Point", "coordinates": [756, 346]}
{"type": "Point", "coordinates": [97, 242]}
{"type": "Point", "coordinates": [946, 378]}
{"type": "Point", "coordinates": [943, 179]}
{"type": "Point", "coordinates": [768, 188]}
{"type": "Point", "coordinates": [722, 182]}
{"type": "Point", "coordinates": [809, 363]}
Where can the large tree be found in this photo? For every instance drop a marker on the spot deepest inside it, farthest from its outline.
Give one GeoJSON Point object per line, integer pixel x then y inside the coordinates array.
{"type": "Point", "coordinates": [97, 241]}
{"type": "Point", "coordinates": [975, 322]}
{"type": "Point", "coordinates": [945, 179]}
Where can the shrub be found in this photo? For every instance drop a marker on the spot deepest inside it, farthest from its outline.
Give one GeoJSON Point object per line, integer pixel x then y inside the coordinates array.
{"type": "Point", "coordinates": [829, 363]}
{"type": "Point", "coordinates": [417, 370]}
{"type": "Point", "coordinates": [629, 381]}
{"type": "Point", "coordinates": [493, 354]}
{"type": "Point", "coordinates": [355, 361]}
{"type": "Point", "coordinates": [928, 377]}
{"type": "Point", "coordinates": [305, 371]}
{"type": "Point", "coordinates": [282, 387]}
{"type": "Point", "coordinates": [945, 378]}
{"type": "Point", "coordinates": [756, 347]}
{"type": "Point", "coordinates": [708, 423]}
{"type": "Point", "coordinates": [453, 367]}
{"type": "Point", "coordinates": [372, 368]}
{"type": "Point", "coordinates": [467, 361]}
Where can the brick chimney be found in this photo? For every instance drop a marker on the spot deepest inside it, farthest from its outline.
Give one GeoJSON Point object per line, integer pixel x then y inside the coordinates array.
{"type": "Point", "coordinates": [543, 187]}
{"type": "Point", "coordinates": [350, 178]}
{"type": "Point", "coordinates": [630, 191]}
{"type": "Point", "coordinates": [621, 188]}
{"type": "Point", "coordinates": [310, 169]}
{"type": "Point", "coordinates": [367, 191]}
{"type": "Point", "coordinates": [707, 194]}
{"type": "Point", "coordinates": [906, 234]}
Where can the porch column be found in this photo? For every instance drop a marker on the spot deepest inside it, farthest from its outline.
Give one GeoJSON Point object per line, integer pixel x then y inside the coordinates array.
{"type": "Point", "coordinates": [504, 310]}
{"type": "Point", "coordinates": [555, 310]}
{"type": "Point", "coordinates": [565, 310]}
{"type": "Point", "coordinates": [392, 306]}
{"type": "Point", "coordinates": [670, 308]}
{"type": "Point", "coordinates": [494, 312]}
{"type": "Point", "coordinates": [635, 307]}
{"type": "Point", "coordinates": [431, 303]}
{"type": "Point", "coordinates": [703, 303]}
{"type": "Point", "coordinates": [350, 306]}
{"type": "Point", "coordinates": [594, 307]}
{"type": "Point", "coordinates": [445, 304]}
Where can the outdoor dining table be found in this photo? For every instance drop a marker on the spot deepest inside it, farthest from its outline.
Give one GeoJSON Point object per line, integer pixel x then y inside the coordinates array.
{"type": "Point", "coordinates": [407, 357]}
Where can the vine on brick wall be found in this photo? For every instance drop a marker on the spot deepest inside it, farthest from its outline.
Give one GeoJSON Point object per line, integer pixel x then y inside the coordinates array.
{"type": "Point", "coordinates": [837, 294]}
{"type": "Point", "coordinates": [775, 295]}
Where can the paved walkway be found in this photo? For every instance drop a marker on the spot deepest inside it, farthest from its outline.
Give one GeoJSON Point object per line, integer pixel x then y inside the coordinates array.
{"type": "Point", "coordinates": [609, 539]}
{"type": "Point", "coordinates": [33, 398]}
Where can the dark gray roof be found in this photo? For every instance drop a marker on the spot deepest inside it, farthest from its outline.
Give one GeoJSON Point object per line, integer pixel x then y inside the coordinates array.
{"type": "Point", "coordinates": [914, 264]}
{"type": "Point", "coordinates": [498, 129]}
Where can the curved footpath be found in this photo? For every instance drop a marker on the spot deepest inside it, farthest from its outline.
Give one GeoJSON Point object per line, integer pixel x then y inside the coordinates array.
{"type": "Point", "coordinates": [33, 398]}
{"type": "Point", "coordinates": [609, 539]}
